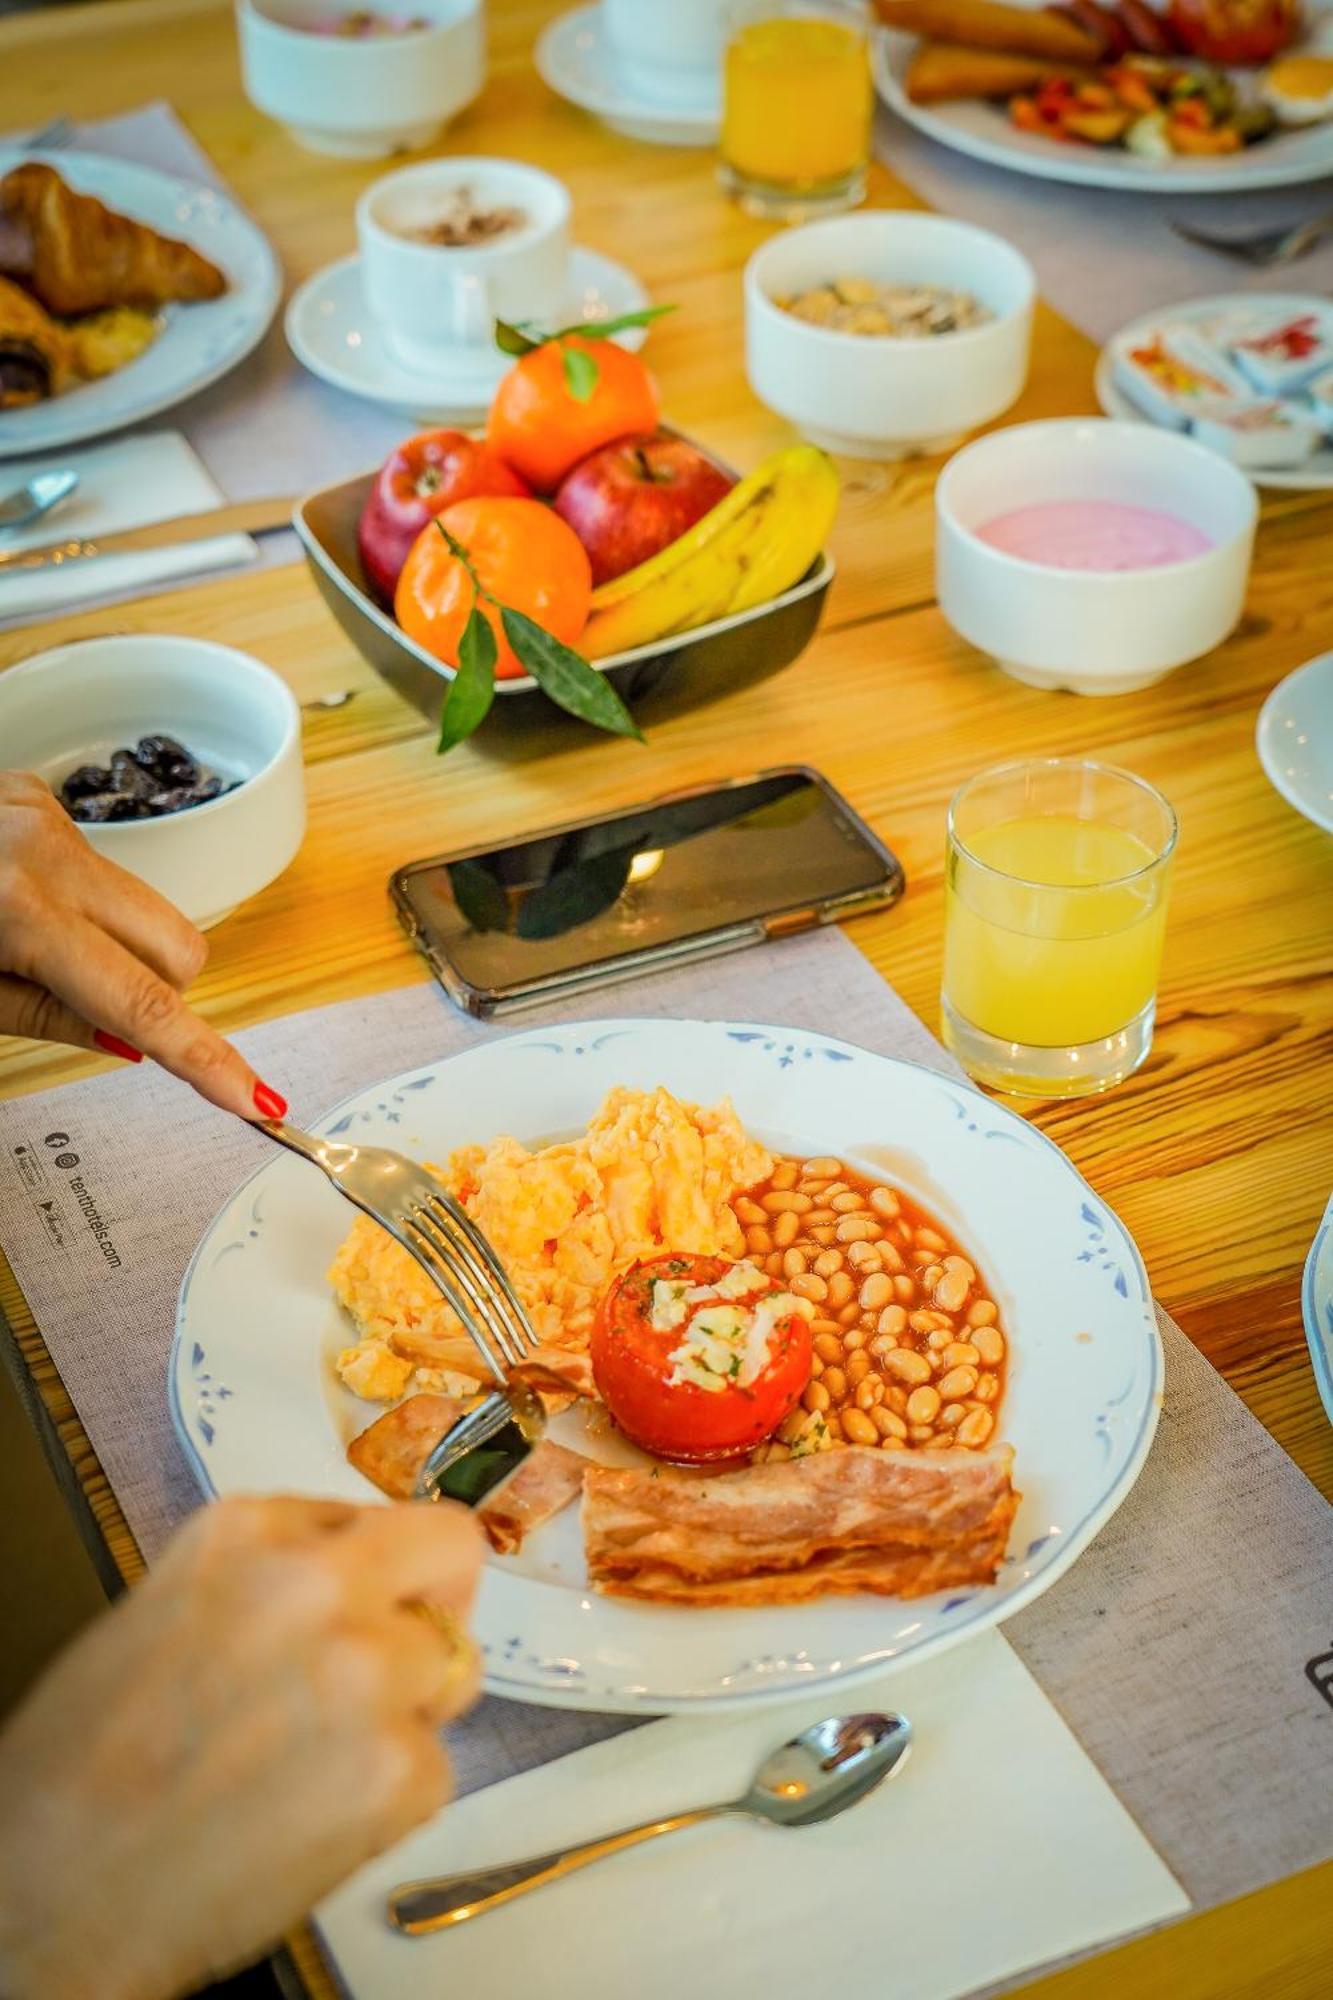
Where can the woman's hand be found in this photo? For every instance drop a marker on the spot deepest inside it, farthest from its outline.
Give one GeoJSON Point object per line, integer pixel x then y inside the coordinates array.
{"type": "Point", "coordinates": [221, 1748]}
{"type": "Point", "coordinates": [91, 955]}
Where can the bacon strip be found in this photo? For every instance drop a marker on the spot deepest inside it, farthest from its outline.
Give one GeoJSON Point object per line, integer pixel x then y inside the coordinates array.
{"type": "Point", "coordinates": [899, 1524]}
{"type": "Point", "coordinates": [392, 1451]}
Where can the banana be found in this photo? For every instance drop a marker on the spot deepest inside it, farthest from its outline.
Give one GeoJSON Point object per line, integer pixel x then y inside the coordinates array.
{"type": "Point", "coordinates": [753, 545]}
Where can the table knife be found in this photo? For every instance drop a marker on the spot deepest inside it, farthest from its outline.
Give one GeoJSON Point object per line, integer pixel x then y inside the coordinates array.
{"type": "Point", "coordinates": [243, 517]}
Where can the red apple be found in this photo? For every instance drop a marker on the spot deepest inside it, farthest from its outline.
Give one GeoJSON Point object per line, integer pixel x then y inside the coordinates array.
{"type": "Point", "coordinates": [415, 483]}
{"type": "Point", "coordinates": [630, 499]}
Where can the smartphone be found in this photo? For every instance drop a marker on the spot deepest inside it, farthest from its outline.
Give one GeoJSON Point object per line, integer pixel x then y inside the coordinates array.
{"type": "Point", "coordinates": [686, 876]}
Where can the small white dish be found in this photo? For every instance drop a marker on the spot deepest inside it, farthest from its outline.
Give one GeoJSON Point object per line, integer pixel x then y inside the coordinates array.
{"type": "Point", "coordinates": [1294, 738]}
{"type": "Point", "coordinates": [1317, 1308]}
{"type": "Point", "coordinates": [878, 396]}
{"type": "Point", "coordinates": [257, 1414]}
{"type": "Point", "coordinates": [197, 344]}
{"type": "Point", "coordinates": [361, 98]}
{"type": "Point", "coordinates": [75, 704]}
{"type": "Point", "coordinates": [574, 58]}
{"type": "Point", "coordinates": [1092, 631]}
{"type": "Point", "coordinates": [331, 332]}
{"type": "Point", "coordinates": [435, 304]}
{"type": "Point", "coordinates": [1315, 474]}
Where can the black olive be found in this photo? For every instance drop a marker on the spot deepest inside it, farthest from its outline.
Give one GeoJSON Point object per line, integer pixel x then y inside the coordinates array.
{"type": "Point", "coordinates": [166, 760]}
{"type": "Point", "coordinates": [85, 782]}
{"type": "Point", "coordinates": [104, 806]}
{"type": "Point", "coordinates": [129, 776]}
{"type": "Point", "coordinates": [181, 797]}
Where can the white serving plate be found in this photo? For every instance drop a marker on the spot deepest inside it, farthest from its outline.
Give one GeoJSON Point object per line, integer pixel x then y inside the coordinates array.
{"type": "Point", "coordinates": [258, 1409]}
{"type": "Point", "coordinates": [197, 343]}
{"type": "Point", "coordinates": [984, 132]}
{"type": "Point", "coordinates": [1316, 475]}
{"type": "Point", "coordinates": [1317, 1308]}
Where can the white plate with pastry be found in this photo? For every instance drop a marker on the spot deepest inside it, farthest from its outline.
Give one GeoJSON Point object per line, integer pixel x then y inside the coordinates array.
{"type": "Point", "coordinates": [122, 292]}
{"type": "Point", "coordinates": [978, 1390]}
{"type": "Point", "coordinates": [955, 90]}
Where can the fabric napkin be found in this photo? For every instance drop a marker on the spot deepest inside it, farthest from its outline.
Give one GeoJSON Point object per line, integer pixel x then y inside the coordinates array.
{"type": "Point", "coordinates": [125, 484]}
{"type": "Point", "coordinates": [996, 1848]}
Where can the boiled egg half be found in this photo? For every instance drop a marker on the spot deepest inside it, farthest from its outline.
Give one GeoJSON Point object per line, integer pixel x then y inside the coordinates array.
{"type": "Point", "coordinates": [1299, 89]}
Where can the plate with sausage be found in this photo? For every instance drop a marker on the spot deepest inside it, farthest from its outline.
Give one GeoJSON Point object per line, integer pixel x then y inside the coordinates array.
{"type": "Point", "coordinates": [842, 1363]}
{"type": "Point", "coordinates": [1176, 96]}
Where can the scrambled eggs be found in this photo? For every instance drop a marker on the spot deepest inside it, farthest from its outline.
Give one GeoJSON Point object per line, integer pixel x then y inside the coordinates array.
{"type": "Point", "coordinates": [650, 1174]}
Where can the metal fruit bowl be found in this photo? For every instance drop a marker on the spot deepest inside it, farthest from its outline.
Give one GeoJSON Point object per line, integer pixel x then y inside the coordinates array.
{"type": "Point", "coordinates": [655, 680]}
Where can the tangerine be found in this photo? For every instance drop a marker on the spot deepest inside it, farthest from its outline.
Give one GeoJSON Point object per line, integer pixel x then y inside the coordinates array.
{"type": "Point", "coordinates": [542, 428]}
{"type": "Point", "coordinates": [523, 555]}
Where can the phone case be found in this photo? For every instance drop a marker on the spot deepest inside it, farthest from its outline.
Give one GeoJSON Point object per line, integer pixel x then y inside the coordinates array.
{"type": "Point", "coordinates": [489, 1003]}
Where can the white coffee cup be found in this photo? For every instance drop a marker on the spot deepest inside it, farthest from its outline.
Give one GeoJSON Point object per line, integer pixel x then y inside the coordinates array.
{"type": "Point", "coordinates": [668, 50]}
{"type": "Point", "coordinates": [436, 304]}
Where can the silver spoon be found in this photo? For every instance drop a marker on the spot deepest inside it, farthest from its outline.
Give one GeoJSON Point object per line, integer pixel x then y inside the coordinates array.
{"type": "Point", "coordinates": [43, 491]}
{"type": "Point", "coordinates": [821, 1772]}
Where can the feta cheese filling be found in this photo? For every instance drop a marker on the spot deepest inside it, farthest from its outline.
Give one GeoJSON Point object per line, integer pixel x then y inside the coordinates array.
{"type": "Point", "coordinates": [725, 1344]}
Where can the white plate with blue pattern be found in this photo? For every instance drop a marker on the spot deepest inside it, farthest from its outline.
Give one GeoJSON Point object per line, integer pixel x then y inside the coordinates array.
{"type": "Point", "coordinates": [197, 343]}
{"type": "Point", "coordinates": [258, 1408]}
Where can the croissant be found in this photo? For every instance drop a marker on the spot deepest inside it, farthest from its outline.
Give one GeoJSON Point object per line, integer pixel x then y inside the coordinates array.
{"type": "Point", "coordinates": [78, 256]}
{"type": "Point", "coordinates": [35, 358]}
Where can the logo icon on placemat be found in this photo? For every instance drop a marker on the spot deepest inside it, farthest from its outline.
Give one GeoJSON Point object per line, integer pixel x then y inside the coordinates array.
{"type": "Point", "coordinates": [55, 1140]}
{"type": "Point", "coordinates": [31, 1171]}
{"type": "Point", "coordinates": [1319, 1673]}
{"type": "Point", "coordinates": [67, 1160]}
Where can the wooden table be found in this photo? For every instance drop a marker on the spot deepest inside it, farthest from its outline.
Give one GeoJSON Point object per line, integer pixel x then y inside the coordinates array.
{"type": "Point", "coordinates": [1217, 1154]}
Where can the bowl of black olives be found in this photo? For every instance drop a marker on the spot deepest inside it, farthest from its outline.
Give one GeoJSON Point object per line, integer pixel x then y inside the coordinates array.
{"type": "Point", "coordinates": [178, 758]}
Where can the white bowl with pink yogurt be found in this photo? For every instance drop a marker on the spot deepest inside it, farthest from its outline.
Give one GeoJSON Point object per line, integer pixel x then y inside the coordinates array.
{"type": "Point", "coordinates": [1090, 555]}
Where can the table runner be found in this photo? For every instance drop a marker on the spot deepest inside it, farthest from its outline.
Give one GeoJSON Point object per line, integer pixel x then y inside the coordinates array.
{"type": "Point", "coordinates": [1183, 1648]}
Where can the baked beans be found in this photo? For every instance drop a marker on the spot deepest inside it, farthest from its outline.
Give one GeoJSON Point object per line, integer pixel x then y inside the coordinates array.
{"type": "Point", "coordinates": [909, 1351]}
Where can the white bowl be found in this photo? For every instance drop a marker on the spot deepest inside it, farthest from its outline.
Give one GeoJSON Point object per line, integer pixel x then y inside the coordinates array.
{"type": "Point", "coordinates": [1097, 632]}
{"type": "Point", "coordinates": [76, 704]}
{"type": "Point", "coordinates": [872, 396]}
{"type": "Point", "coordinates": [361, 99]}
{"type": "Point", "coordinates": [1294, 737]}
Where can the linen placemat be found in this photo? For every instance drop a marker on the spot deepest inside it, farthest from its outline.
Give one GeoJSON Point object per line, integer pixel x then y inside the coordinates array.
{"type": "Point", "coordinates": [1176, 1648]}
{"type": "Point", "coordinates": [1101, 256]}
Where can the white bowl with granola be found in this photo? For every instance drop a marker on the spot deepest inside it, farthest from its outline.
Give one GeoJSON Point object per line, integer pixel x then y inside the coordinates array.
{"type": "Point", "coordinates": [884, 334]}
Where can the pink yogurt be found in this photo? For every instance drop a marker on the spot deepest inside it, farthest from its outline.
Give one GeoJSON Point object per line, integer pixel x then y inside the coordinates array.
{"type": "Point", "coordinates": [1094, 535]}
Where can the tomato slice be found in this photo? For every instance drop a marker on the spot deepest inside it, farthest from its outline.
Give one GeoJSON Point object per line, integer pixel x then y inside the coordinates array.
{"type": "Point", "coordinates": [638, 1372]}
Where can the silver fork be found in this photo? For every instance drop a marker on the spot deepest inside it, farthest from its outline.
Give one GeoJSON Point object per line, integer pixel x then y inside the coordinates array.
{"type": "Point", "coordinates": [1267, 248]}
{"type": "Point", "coordinates": [490, 1443]}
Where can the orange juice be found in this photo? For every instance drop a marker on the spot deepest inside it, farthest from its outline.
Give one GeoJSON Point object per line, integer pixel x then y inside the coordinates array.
{"type": "Point", "coordinates": [797, 103]}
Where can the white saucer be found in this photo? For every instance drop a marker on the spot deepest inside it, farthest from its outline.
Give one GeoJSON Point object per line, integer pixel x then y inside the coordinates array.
{"type": "Point", "coordinates": [1294, 738]}
{"type": "Point", "coordinates": [331, 332]}
{"type": "Point", "coordinates": [572, 57]}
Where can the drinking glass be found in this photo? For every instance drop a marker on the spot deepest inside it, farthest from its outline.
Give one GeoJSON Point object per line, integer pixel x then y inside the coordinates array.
{"type": "Point", "coordinates": [797, 102]}
{"type": "Point", "coordinates": [1055, 888]}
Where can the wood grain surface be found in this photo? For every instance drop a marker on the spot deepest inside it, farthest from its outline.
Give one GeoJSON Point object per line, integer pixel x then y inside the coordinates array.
{"type": "Point", "coordinates": [1219, 1154]}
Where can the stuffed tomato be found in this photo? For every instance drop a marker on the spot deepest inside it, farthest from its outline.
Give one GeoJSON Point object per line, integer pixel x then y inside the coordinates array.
{"type": "Point", "coordinates": [699, 1358]}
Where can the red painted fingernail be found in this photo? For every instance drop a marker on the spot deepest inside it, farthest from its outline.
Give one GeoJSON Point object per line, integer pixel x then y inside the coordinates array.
{"type": "Point", "coordinates": [115, 1047]}
{"type": "Point", "coordinates": [267, 1102]}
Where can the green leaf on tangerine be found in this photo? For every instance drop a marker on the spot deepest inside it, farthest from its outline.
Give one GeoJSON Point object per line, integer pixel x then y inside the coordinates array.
{"type": "Point", "coordinates": [472, 689]}
{"type": "Point", "coordinates": [566, 677]}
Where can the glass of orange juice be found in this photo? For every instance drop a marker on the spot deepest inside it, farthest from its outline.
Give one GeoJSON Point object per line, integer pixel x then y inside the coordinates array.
{"type": "Point", "coordinates": [1055, 887]}
{"type": "Point", "coordinates": [797, 105]}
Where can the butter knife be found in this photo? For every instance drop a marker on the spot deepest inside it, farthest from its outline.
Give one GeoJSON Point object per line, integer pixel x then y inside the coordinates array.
{"type": "Point", "coordinates": [243, 517]}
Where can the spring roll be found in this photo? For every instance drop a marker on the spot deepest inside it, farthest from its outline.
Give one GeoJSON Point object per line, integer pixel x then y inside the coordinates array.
{"type": "Point", "coordinates": [988, 24]}
{"type": "Point", "coordinates": [939, 72]}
